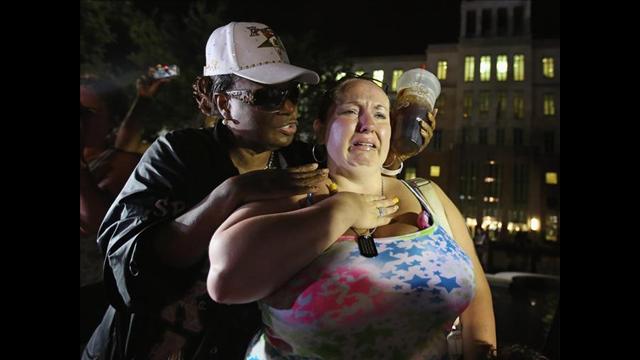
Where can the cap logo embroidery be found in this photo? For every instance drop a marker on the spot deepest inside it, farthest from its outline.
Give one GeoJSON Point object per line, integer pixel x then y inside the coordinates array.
{"type": "Point", "coordinates": [271, 41]}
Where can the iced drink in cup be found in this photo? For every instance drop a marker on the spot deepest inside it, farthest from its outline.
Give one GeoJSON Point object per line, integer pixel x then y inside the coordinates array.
{"type": "Point", "coordinates": [418, 90]}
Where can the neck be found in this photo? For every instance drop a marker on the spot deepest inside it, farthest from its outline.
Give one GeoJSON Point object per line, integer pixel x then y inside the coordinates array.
{"type": "Point", "coordinates": [246, 159]}
{"type": "Point", "coordinates": [361, 182]}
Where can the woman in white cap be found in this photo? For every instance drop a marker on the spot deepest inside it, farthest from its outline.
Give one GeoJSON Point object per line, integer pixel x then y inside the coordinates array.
{"type": "Point", "coordinates": [156, 234]}
{"type": "Point", "coordinates": [365, 267]}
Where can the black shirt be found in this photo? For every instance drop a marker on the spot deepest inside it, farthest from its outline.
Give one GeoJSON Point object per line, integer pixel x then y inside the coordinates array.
{"type": "Point", "coordinates": [156, 309]}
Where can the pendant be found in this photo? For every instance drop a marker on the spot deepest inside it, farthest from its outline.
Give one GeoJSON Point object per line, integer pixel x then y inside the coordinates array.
{"type": "Point", "coordinates": [367, 246]}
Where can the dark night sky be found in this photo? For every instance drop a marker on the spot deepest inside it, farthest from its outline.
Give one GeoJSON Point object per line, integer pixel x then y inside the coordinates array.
{"type": "Point", "coordinates": [368, 27]}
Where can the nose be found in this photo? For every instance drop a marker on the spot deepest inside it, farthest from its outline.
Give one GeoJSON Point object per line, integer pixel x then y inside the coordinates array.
{"type": "Point", "coordinates": [366, 122]}
{"type": "Point", "coordinates": [288, 107]}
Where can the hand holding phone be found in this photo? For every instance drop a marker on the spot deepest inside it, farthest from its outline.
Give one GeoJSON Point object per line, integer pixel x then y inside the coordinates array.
{"type": "Point", "coordinates": [164, 71]}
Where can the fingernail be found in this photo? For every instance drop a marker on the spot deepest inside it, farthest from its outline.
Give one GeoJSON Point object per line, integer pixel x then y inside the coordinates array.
{"type": "Point", "coordinates": [333, 187]}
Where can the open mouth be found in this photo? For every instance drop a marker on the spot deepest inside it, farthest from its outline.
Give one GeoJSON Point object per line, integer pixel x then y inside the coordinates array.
{"type": "Point", "coordinates": [289, 129]}
{"type": "Point", "coordinates": [364, 146]}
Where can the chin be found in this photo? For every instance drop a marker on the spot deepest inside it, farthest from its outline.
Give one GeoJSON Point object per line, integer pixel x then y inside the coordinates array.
{"type": "Point", "coordinates": [281, 141]}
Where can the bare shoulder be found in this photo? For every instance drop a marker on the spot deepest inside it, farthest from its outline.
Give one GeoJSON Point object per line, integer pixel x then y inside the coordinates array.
{"type": "Point", "coordinates": [444, 198]}
{"type": "Point", "coordinates": [408, 202]}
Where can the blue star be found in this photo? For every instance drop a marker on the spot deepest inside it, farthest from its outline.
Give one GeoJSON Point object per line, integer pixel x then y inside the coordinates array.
{"type": "Point", "coordinates": [386, 257]}
{"type": "Point", "coordinates": [414, 251]}
{"type": "Point", "coordinates": [403, 266]}
{"type": "Point", "coordinates": [392, 247]}
{"type": "Point", "coordinates": [418, 282]}
{"type": "Point", "coordinates": [415, 263]}
{"type": "Point", "coordinates": [448, 283]}
{"type": "Point", "coordinates": [432, 247]}
{"type": "Point", "coordinates": [387, 275]}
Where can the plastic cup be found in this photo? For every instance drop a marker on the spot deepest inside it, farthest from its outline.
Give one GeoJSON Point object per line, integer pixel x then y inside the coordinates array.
{"type": "Point", "coordinates": [418, 90]}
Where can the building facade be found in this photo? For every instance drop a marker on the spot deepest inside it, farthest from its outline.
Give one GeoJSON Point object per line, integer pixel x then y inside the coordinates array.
{"type": "Point", "coordinates": [496, 148]}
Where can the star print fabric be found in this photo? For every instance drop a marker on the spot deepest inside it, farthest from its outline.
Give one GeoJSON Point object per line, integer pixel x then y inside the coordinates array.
{"type": "Point", "coordinates": [346, 306]}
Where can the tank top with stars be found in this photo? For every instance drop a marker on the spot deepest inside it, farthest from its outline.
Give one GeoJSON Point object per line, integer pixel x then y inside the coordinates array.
{"type": "Point", "coordinates": [397, 305]}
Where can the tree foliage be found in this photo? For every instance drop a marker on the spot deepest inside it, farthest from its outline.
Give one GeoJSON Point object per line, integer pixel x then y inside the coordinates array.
{"type": "Point", "coordinates": [119, 41]}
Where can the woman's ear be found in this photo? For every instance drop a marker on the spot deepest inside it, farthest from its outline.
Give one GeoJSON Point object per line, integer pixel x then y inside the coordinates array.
{"type": "Point", "coordinates": [200, 94]}
{"type": "Point", "coordinates": [222, 105]}
{"type": "Point", "coordinates": [319, 129]}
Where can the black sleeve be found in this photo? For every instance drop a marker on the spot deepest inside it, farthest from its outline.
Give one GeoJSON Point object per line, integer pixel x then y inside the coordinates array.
{"type": "Point", "coordinates": [298, 153]}
{"type": "Point", "coordinates": [167, 181]}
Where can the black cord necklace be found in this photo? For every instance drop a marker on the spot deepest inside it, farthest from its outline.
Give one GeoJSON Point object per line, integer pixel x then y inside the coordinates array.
{"type": "Point", "coordinates": [366, 242]}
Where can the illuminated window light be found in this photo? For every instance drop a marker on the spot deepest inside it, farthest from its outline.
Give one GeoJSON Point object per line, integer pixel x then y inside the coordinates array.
{"type": "Point", "coordinates": [379, 75]}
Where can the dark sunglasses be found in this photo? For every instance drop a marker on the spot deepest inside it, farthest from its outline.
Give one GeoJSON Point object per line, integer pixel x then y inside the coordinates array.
{"type": "Point", "coordinates": [268, 98]}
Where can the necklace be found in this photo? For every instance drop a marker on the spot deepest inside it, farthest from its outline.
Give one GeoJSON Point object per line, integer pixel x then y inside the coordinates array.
{"type": "Point", "coordinates": [366, 242]}
{"type": "Point", "coordinates": [271, 160]}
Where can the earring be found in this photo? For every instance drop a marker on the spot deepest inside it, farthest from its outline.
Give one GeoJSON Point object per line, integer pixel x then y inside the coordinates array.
{"type": "Point", "coordinates": [224, 122]}
{"type": "Point", "coordinates": [322, 150]}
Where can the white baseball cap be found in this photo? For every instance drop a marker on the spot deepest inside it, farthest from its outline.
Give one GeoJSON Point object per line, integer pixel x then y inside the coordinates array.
{"type": "Point", "coordinates": [252, 51]}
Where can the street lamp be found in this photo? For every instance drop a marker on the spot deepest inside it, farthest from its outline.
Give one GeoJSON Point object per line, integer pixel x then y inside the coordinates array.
{"type": "Point", "coordinates": [534, 224]}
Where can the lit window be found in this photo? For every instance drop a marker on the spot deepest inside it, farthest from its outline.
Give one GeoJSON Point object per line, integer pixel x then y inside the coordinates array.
{"type": "Point", "coordinates": [518, 106]}
{"type": "Point", "coordinates": [394, 79]}
{"type": "Point", "coordinates": [518, 67]}
{"type": "Point", "coordinates": [359, 72]}
{"type": "Point", "coordinates": [484, 101]}
{"type": "Point", "coordinates": [442, 69]}
{"type": "Point", "coordinates": [485, 68]}
{"type": "Point", "coordinates": [551, 228]}
{"type": "Point", "coordinates": [434, 171]}
{"type": "Point", "coordinates": [551, 178]}
{"type": "Point", "coordinates": [549, 105]}
{"type": "Point", "coordinates": [409, 173]}
{"type": "Point", "coordinates": [340, 75]}
{"type": "Point", "coordinates": [467, 104]}
{"type": "Point", "coordinates": [469, 68]}
{"type": "Point", "coordinates": [547, 67]}
{"type": "Point", "coordinates": [501, 104]}
{"type": "Point", "coordinates": [502, 66]}
{"type": "Point", "coordinates": [378, 75]}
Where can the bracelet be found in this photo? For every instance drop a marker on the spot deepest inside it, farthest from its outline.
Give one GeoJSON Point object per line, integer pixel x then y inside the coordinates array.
{"type": "Point", "coordinates": [395, 172]}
